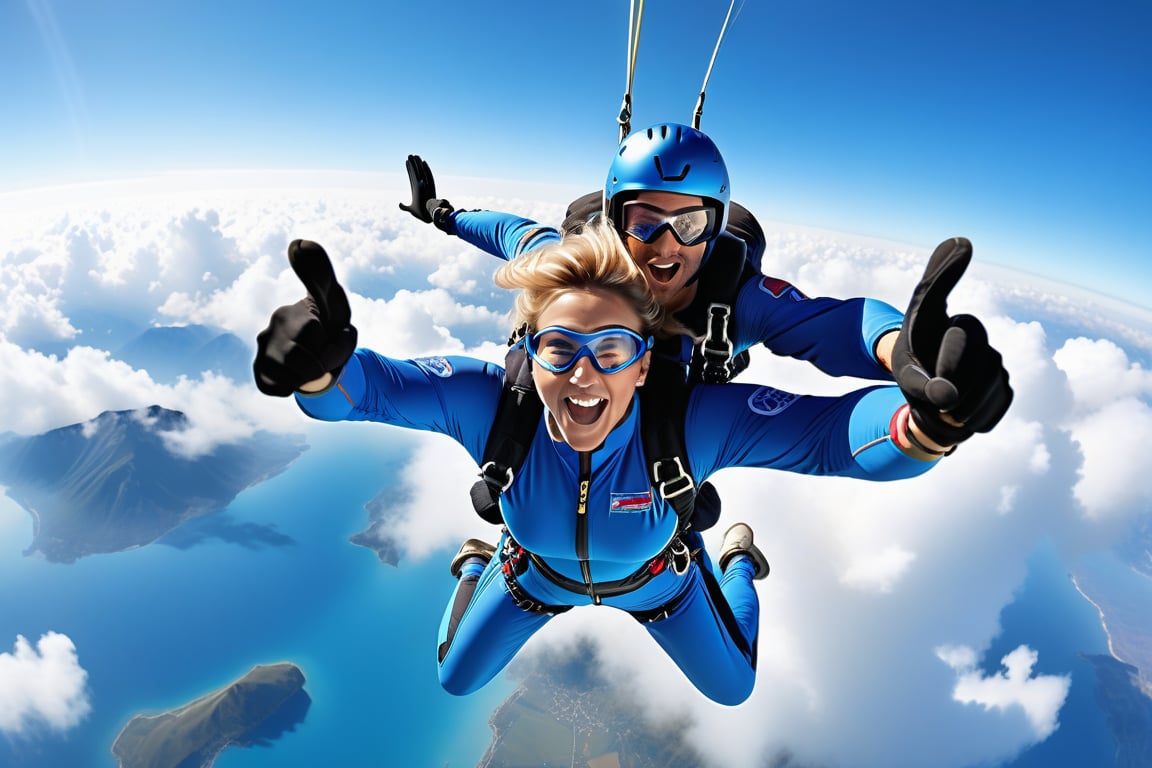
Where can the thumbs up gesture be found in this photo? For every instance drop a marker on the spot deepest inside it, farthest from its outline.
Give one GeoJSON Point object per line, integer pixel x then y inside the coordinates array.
{"type": "Point", "coordinates": [311, 338]}
{"type": "Point", "coordinates": [953, 379]}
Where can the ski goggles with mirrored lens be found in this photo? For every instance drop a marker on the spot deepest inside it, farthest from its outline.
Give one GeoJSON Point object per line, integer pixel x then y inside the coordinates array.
{"type": "Point", "coordinates": [611, 350]}
{"type": "Point", "coordinates": [690, 226]}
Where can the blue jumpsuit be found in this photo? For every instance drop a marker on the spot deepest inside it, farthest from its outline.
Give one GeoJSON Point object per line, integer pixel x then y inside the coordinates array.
{"type": "Point", "coordinates": [624, 524]}
{"type": "Point", "coordinates": [837, 336]}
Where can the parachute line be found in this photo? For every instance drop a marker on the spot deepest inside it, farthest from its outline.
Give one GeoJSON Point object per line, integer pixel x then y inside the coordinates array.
{"type": "Point", "coordinates": [703, 88]}
{"type": "Point", "coordinates": [635, 16]}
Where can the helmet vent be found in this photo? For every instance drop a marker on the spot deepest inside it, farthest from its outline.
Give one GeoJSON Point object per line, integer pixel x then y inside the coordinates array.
{"type": "Point", "coordinates": [665, 177]}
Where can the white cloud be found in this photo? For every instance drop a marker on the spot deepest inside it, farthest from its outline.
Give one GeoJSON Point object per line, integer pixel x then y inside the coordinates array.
{"type": "Point", "coordinates": [437, 513]}
{"type": "Point", "coordinates": [1039, 696]}
{"type": "Point", "coordinates": [468, 272]}
{"type": "Point", "coordinates": [132, 259]}
{"type": "Point", "coordinates": [42, 686]}
{"type": "Point", "coordinates": [55, 392]}
{"type": "Point", "coordinates": [29, 295]}
{"type": "Point", "coordinates": [1110, 420]}
{"type": "Point", "coordinates": [414, 323]}
{"type": "Point", "coordinates": [878, 572]}
{"type": "Point", "coordinates": [1099, 371]}
{"type": "Point", "coordinates": [1115, 478]}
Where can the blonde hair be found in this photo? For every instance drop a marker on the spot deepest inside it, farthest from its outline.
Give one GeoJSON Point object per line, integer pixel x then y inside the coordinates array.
{"type": "Point", "coordinates": [592, 257]}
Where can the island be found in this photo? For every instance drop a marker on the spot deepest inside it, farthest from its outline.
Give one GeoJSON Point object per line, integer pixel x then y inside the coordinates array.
{"type": "Point", "coordinates": [111, 484]}
{"type": "Point", "coordinates": [563, 713]}
{"type": "Point", "coordinates": [378, 535]}
{"type": "Point", "coordinates": [256, 709]}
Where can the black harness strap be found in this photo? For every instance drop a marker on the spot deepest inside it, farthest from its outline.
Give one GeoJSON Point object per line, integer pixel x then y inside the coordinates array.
{"type": "Point", "coordinates": [663, 405]}
{"type": "Point", "coordinates": [517, 418]}
{"type": "Point", "coordinates": [513, 563]}
{"type": "Point", "coordinates": [719, 284]}
{"type": "Point", "coordinates": [675, 557]}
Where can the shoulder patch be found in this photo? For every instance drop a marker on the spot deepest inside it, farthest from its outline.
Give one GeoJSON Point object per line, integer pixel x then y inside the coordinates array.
{"type": "Point", "coordinates": [437, 366]}
{"type": "Point", "coordinates": [778, 288]}
{"type": "Point", "coordinates": [767, 401]}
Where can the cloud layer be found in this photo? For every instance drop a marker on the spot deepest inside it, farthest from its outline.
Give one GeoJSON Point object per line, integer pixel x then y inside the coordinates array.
{"type": "Point", "coordinates": [874, 621]}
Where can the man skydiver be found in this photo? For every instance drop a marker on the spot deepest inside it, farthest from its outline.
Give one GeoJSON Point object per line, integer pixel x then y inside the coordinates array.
{"type": "Point", "coordinates": [668, 194]}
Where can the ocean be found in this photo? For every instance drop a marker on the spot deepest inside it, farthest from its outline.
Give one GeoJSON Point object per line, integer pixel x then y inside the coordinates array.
{"type": "Point", "coordinates": [158, 626]}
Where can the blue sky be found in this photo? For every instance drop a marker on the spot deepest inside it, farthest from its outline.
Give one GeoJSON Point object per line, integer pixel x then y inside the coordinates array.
{"type": "Point", "coordinates": [1023, 125]}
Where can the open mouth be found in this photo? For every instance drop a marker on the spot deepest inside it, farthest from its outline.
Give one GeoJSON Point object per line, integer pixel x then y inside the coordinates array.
{"type": "Point", "coordinates": [663, 273]}
{"type": "Point", "coordinates": [585, 411]}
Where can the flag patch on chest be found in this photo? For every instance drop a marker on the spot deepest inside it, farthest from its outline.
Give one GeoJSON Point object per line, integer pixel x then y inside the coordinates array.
{"type": "Point", "coordinates": [631, 502]}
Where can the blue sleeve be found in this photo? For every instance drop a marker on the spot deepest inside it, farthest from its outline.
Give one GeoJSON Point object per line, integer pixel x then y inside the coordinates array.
{"type": "Point", "coordinates": [455, 396]}
{"type": "Point", "coordinates": [503, 235]}
{"type": "Point", "coordinates": [837, 336]}
{"type": "Point", "coordinates": [744, 425]}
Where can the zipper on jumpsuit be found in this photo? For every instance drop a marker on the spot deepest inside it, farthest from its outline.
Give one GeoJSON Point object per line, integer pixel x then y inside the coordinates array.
{"type": "Point", "coordinates": [582, 526]}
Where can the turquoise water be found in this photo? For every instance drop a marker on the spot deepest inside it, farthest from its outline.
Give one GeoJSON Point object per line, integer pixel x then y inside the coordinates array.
{"type": "Point", "coordinates": [158, 626]}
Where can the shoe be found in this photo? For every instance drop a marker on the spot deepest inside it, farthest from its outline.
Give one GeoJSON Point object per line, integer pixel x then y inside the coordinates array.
{"type": "Point", "coordinates": [472, 548]}
{"type": "Point", "coordinates": [738, 541]}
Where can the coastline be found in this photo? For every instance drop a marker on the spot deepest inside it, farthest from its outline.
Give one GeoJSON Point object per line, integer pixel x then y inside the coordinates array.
{"type": "Point", "coordinates": [1103, 619]}
{"type": "Point", "coordinates": [1126, 644]}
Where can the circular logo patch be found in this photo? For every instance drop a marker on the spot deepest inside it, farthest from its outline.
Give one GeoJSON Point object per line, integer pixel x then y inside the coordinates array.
{"type": "Point", "coordinates": [437, 366]}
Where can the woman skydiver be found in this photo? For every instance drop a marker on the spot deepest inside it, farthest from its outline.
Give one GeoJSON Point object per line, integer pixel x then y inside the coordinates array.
{"type": "Point", "coordinates": [582, 522]}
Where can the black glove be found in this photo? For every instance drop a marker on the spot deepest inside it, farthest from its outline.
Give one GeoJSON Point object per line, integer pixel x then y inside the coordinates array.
{"type": "Point", "coordinates": [314, 336]}
{"type": "Point", "coordinates": [944, 365]}
{"type": "Point", "coordinates": [425, 205]}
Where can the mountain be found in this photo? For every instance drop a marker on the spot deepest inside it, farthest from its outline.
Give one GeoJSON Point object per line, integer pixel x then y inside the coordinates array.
{"type": "Point", "coordinates": [169, 352]}
{"type": "Point", "coordinates": [111, 484]}
{"type": "Point", "coordinates": [255, 709]}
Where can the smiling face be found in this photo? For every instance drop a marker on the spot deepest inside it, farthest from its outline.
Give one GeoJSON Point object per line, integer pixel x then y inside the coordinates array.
{"type": "Point", "coordinates": [585, 404]}
{"type": "Point", "coordinates": [668, 265]}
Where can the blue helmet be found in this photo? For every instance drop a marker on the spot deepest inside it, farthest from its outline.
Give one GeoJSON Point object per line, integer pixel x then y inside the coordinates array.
{"type": "Point", "coordinates": [669, 158]}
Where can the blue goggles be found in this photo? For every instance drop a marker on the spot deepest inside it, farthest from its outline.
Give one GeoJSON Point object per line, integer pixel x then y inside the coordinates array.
{"type": "Point", "coordinates": [611, 350]}
{"type": "Point", "coordinates": [690, 226]}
